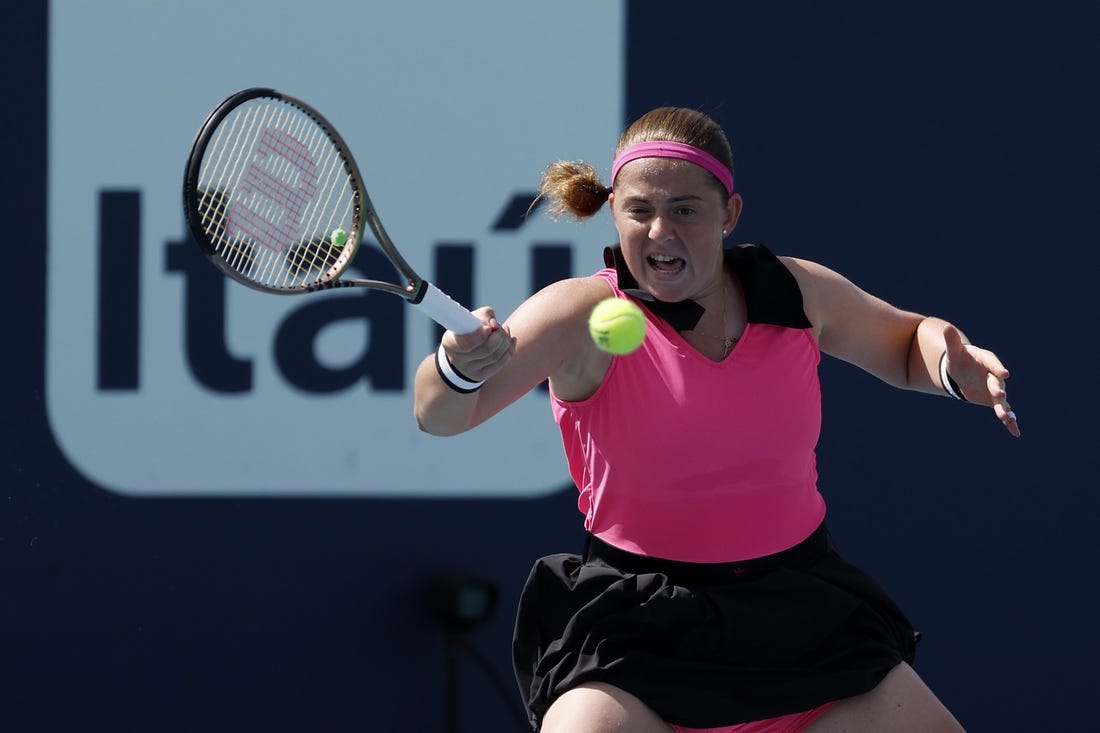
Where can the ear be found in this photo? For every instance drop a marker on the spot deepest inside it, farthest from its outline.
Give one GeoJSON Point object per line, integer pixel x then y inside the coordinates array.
{"type": "Point", "coordinates": [733, 212]}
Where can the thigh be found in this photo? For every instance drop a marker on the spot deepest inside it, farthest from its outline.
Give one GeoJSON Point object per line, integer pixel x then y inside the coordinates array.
{"type": "Point", "coordinates": [901, 703]}
{"type": "Point", "coordinates": [599, 708]}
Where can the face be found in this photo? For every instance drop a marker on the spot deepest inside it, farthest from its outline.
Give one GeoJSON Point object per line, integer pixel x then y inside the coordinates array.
{"type": "Point", "coordinates": [670, 215]}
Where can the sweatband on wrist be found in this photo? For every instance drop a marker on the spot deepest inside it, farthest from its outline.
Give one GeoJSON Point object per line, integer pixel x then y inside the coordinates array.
{"type": "Point", "coordinates": [949, 385]}
{"type": "Point", "coordinates": [451, 376]}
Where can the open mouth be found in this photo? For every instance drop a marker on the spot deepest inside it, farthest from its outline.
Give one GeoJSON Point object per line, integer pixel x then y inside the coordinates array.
{"type": "Point", "coordinates": [666, 263]}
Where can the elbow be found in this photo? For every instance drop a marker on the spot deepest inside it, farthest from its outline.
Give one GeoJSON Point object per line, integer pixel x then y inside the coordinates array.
{"type": "Point", "coordinates": [440, 429]}
{"type": "Point", "coordinates": [425, 427]}
{"type": "Point", "coordinates": [431, 430]}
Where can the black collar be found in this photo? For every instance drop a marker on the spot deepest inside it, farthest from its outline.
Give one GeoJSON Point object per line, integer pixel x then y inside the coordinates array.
{"type": "Point", "coordinates": [682, 315]}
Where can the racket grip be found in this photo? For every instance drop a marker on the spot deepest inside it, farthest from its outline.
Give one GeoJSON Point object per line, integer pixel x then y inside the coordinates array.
{"type": "Point", "coordinates": [442, 309]}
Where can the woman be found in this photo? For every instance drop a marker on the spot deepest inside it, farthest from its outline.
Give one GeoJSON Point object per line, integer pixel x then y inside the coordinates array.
{"type": "Point", "coordinates": [709, 595]}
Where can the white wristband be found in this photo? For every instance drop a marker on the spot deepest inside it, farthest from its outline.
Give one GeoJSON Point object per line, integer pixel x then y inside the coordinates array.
{"type": "Point", "coordinates": [949, 384]}
{"type": "Point", "coordinates": [451, 377]}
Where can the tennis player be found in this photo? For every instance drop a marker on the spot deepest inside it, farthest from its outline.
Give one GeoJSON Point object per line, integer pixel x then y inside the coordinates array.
{"type": "Point", "coordinates": [709, 595]}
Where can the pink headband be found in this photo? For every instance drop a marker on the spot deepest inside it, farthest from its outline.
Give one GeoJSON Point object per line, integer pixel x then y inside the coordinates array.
{"type": "Point", "coordinates": [668, 149]}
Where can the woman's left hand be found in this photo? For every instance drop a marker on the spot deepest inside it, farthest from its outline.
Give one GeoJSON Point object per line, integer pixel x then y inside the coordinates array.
{"type": "Point", "coordinates": [981, 377]}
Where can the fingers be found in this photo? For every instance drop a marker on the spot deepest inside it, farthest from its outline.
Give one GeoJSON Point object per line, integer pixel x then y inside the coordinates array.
{"type": "Point", "coordinates": [999, 395]}
{"type": "Point", "coordinates": [1007, 417]}
{"type": "Point", "coordinates": [969, 364]}
{"type": "Point", "coordinates": [952, 339]}
{"type": "Point", "coordinates": [481, 353]}
{"type": "Point", "coordinates": [988, 360]}
{"type": "Point", "coordinates": [996, 387]}
{"type": "Point", "coordinates": [491, 356]}
{"type": "Point", "coordinates": [464, 342]}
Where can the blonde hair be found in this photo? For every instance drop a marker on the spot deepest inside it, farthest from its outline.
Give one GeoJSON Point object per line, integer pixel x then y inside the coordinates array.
{"type": "Point", "coordinates": [574, 189]}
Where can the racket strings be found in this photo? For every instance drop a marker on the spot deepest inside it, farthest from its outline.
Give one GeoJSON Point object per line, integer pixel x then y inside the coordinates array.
{"type": "Point", "coordinates": [273, 186]}
{"type": "Point", "coordinates": [221, 166]}
{"type": "Point", "coordinates": [277, 196]}
{"type": "Point", "coordinates": [327, 210]}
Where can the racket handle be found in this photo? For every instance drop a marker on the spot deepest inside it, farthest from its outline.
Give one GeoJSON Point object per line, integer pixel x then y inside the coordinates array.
{"type": "Point", "coordinates": [442, 309]}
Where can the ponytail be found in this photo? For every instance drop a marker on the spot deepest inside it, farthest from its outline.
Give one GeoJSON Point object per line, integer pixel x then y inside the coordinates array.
{"type": "Point", "coordinates": [573, 189]}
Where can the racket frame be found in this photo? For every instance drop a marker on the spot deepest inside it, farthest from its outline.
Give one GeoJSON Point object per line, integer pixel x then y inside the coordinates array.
{"type": "Point", "coordinates": [416, 290]}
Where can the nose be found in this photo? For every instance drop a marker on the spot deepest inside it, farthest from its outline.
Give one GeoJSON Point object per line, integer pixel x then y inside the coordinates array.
{"type": "Point", "coordinates": [660, 229]}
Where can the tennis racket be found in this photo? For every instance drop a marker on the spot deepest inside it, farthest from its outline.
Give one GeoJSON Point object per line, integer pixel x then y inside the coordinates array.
{"type": "Point", "coordinates": [274, 198]}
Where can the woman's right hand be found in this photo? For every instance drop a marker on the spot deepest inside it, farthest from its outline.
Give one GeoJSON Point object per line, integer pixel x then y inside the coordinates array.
{"type": "Point", "coordinates": [545, 338]}
{"type": "Point", "coordinates": [480, 354]}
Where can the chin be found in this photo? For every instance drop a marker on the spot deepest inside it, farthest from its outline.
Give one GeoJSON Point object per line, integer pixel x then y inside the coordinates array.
{"type": "Point", "coordinates": [667, 292]}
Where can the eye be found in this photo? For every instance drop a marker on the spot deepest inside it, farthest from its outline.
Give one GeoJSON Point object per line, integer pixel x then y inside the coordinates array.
{"type": "Point", "coordinates": [685, 211]}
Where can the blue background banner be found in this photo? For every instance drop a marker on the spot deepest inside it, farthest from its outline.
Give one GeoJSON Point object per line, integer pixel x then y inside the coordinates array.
{"type": "Point", "coordinates": [943, 156]}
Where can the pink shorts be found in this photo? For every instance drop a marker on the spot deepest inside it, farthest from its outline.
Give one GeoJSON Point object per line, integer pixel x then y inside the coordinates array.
{"type": "Point", "coordinates": [783, 724]}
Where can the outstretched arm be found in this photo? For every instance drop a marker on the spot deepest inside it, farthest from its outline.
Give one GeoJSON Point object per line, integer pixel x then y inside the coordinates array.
{"type": "Point", "coordinates": [902, 348]}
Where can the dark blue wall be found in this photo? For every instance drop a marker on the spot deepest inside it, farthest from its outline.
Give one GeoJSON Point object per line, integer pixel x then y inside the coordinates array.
{"type": "Point", "coordinates": [942, 157]}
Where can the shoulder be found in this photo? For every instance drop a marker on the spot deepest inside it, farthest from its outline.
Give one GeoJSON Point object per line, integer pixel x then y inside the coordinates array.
{"type": "Point", "coordinates": [552, 338]}
{"type": "Point", "coordinates": [772, 290]}
{"type": "Point", "coordinates": [814, 278]}
{"type": "Point", "coordinates": [817, 281]}
{"type": "Point", "coordinates": [806, 272]}
{"type": "Point", "coordinates": [569, 298]}
{"type": "Point", "coordinates": [819, 286]}
{"type": "Point", "coordinates": [555, 319]}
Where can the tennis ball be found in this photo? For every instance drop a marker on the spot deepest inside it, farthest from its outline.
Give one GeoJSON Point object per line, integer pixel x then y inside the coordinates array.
{"type": "Point", "coordinates": [338, 237]}
{"type": "Point", "coordinates": [617, 325]}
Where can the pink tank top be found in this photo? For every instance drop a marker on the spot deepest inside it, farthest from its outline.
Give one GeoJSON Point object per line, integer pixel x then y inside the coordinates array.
{"type": "Point", "coordinates": [651, 478]}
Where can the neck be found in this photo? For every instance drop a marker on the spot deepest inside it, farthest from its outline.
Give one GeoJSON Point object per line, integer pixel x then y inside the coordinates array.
{"type": "Point", "coordinates": [715, 315]}
{"type": "Point", "coordinates": [717, 330]}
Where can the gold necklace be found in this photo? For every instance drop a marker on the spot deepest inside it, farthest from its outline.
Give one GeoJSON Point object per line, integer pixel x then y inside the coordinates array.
{"type": "Point", "coordinates": [727, 341]}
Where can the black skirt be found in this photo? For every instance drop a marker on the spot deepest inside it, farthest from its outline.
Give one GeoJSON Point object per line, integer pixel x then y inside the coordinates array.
{"type": "Point", "coordinates": [707, 645]}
